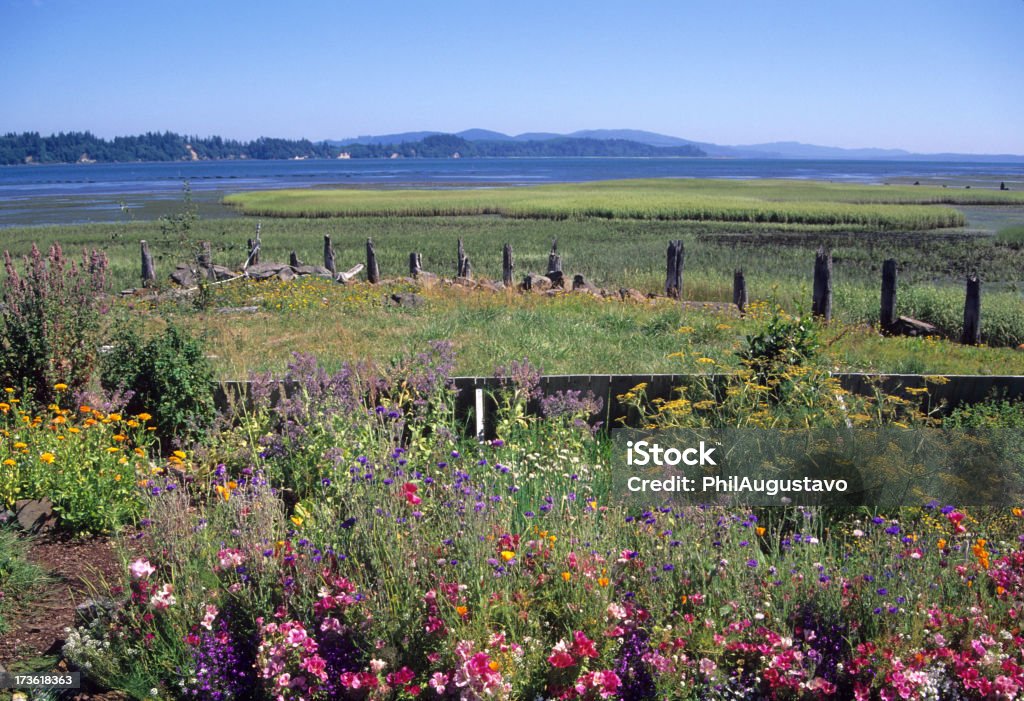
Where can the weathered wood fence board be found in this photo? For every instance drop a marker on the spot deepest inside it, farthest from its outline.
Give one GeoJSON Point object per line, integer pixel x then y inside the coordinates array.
{"type": "Point", "coordinates": [959, 389]}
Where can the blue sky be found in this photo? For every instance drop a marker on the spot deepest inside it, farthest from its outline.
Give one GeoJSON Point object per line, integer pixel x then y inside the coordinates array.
{"type": "Point", "coordinates": [944, 75]}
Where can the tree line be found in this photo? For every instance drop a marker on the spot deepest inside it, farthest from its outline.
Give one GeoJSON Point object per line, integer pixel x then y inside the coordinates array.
{"type": "Point", "coordinates": [73, 147]}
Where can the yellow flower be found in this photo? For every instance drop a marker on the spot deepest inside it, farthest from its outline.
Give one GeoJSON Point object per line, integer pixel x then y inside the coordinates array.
{"type": "Point", "coordinates": [297, 520]}
{"type": "Point", "coordinates": [9, 462]}
{"type": "Point", "coordinates": [602, 581]}
{"type": "Point", "coordinates": [9, 390]}
{"type": "Point", "coordinates": [566, 576]}
{"type": "Point", "coordinates": [60, 386]}
{"type": "Point", "coordinates": [706, 361]}
{"type": "Point", "coordinates": [117, 478]}
{"type": "Point", "coordinates": [507, 555]}
{"type": "Point", "coordinates": [180, 454]}
{"type": "Point", "coordinates": [19, 445]}
{"type": "Point", "coordinates": [48, 457]}
{"type": "Point", "coordinates": [143, 416]}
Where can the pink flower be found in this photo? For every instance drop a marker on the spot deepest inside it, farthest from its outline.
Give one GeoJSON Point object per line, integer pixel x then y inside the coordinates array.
{"type": "Point", "coordinates": [707, 667]}
{"type": "Point", "coordinates": [560, 656]}
{"type": "Point", "coordinates": [582, 645]}
{"type": "Point", "coordinates": [141, 569]}
{"type": "Point", "coordinates": [401, 677]}
{"type": "Point", "coordinates": [209, 616]}
{"type": "Point", "coordinates": [164, 598]}
{"type": "Point", "coordinates": [439, 682]}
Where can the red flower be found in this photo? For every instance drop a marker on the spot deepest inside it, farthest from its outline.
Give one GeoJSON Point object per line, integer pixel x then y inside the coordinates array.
{"type": "Point", "coordinates": [582, 645]}
{"type": "Point", "coordinates": [409, 492]}
{"type": "Point", "coordinates": [561, 659]}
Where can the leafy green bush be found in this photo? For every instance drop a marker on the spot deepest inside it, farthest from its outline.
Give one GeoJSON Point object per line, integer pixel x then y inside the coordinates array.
{"type": "Point", "coordinates": [17, 575]}
{"type": "Point", "coordinates": [49, 320]}
{"type": "Point", "coordinates": [168, 375]}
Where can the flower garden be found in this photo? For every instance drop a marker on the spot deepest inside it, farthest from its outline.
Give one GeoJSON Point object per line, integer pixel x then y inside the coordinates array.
{"type": "Point", "coordinates": [338, 534]}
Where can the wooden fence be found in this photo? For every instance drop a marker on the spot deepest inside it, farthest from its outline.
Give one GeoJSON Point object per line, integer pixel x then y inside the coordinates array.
{"type": "Point", "coordinates": [475, 409]}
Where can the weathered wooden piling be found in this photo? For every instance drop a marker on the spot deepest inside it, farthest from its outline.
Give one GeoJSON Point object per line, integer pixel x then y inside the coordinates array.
{"type": "Point", "coordinates": [415, 264]}
{"type": "Point", "coordinates": [972, 312]}
{"type": "Point", "coordinates": [739, 291]}
{"type": "Point", "coordinates": [148, 269]}
{"type": "Point", "coordinates": [675, 259]}
{"type": "Point", "coordinates": [372, 271]}
{"type": "Point", "coordinates": [554, 260]}
{"type": "Point", "coordinates": [293, 259]}
{"type": "Point", "coordinates": [507, 265]}
{"type": "Point", "coordinates": [887, 312]}
{"type": "Point", "coordinates": [821, 302]}
{"type": "Point", "coordinates": [329, 254]}
{"type": "Point", "coordinates": [460, 265]}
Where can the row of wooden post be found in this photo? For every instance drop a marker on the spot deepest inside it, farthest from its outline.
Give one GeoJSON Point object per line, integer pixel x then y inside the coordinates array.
{"type": "Point", "coordinates": [821, 299]}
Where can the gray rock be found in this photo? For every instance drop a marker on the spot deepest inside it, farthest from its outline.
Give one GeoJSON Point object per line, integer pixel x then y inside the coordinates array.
{"type": "Point", "coordinates": [183, 276]}
{"type": "Point", "coordinates": [91, 609]}
{"type": "Point", "coordinates": [318, 270]}
{"type": "Point", "coordinates": [286, 273]}
{"type": "Point", "coordinates": [35, 515]}
{"type": "Point", "coordinates": [238, 310]}
{"type": "Point", "coordinates": [264, 271]}
{"type": "Point", "coordinates": [409, 300]}
{"type": "Point", "coordinates": [536, 283]}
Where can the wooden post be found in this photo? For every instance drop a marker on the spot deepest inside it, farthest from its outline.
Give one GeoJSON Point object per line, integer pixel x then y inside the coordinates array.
{"type": "Point", "coordinates": [460, 265]}
{"type": "Point", "coordinates": [148, 270]}
{"type": "Point", "coordinates": [329, 254]}
{"type": "Point", "coordinates": [467, 269]}
{"type": "Point", "coordinates": [293, 259]}
{"type": "Point", "coordinates": [372, 271]}
{"type": "Point", "coordinates": [554, 260]}
{"type": "Point", "coordinates": [415, 264]}
{"type": "Point", "coordinates": [739, 291]}
{"type": "Point", "coordinates": [887, 313]}
{"type": "Point", "coordinates": [821, 303]}
{"type": "Point", "coordinates": [206, 259]}
{"type": "Point", "coordinates": [972, 312]}
{"type": "Point", "coordinates": [507, 265]}
{"type": "Point", "coordinates": [254, 248]}
{"type": "Point", "coordinates": [674, 270]}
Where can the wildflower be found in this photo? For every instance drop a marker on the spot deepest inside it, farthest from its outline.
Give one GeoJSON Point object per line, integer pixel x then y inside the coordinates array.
{"type": "Point", "coordinates": [507, 555]}
{"type": "Point", "coordinates": [60, 387]}
{"type": "Point", "coordinates": [164, 598]}
{"type": "Point", "coordinates": [409, 492]}
{"type": "Point", "coordinates": [141, 569]}
{"type": "Point", "coordinates": [48, 458]}
{"type": "Point", "coordinates": [566, 576]}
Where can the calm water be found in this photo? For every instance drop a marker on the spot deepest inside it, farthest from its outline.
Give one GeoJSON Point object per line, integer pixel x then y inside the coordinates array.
{"type": "Point", "coordinates": [61, 194]}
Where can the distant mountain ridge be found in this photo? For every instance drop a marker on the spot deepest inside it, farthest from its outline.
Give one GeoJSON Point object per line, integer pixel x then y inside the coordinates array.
{"type": "Point", "coordinates": [772, 150]}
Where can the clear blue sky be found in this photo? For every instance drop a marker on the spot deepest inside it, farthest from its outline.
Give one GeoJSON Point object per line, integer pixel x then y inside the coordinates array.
{"type": "Point", "coordinates": [944, 75]}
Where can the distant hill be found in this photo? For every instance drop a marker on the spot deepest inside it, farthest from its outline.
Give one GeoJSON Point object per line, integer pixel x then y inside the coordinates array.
{"type": "Point", "coordinates": [456, 146]}
{"type": "Point", "coordinates": [773, 150]}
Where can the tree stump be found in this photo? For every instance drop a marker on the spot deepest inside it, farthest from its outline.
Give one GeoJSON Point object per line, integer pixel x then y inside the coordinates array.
{"type": "Point", "coordinates": [415, 264]}
{"type": "Point", "coordinates": [293, 259]}
{"type": "Point", "coordinates": [460, 265]}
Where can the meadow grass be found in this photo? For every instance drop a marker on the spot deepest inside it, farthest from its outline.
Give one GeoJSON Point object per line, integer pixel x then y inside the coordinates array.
{"type": "Point", "coordinates": [756, 201]}
{"type": "Point", "coordinates": [570, 333]}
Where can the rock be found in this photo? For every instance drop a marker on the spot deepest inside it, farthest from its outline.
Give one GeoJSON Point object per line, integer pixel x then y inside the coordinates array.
{"type": "Point", "coordinates": [91, 609]}
{"type": "Point", "coordinates": [490, 286]}
{"type": "Point", "coordinates": [464, 282]}
{"type": "Point", "coordinates": [287, 273]}
{"type": "Point", "coordinates": [581, 285]}
{"type": "Point", "coordinates": [536, 283]}
{"type": "Point", "coordinates": [317, 270]}
{"type": "Point", "coordinates": [222, 273]}
{"type": "Point", "coordinates": [183, 276]}
{"type": "Point", "coordinates": [409, 300]}
{"type": "Point", "coordinates": [35, 515]}
{"type": "Point", "coordinates": [264, 271]}
{"type": "Point", "coordinates": [631, 295]}
{"type": "Point", "coordinates": [905, 326]}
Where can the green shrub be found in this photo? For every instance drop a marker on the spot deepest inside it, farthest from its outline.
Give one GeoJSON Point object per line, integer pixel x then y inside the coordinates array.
{"type": "Point", "coordinates": [18, 576]}
{"type": "Point", "coordinates": [168, 375]}
{"type": "Point", "coordinates": [49, 321]}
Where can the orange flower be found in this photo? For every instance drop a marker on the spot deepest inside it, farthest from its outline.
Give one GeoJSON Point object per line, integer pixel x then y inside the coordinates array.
{"type": "Point", "coordinates": [566, 576]}
{"type": "Point", "coordinates": [761, 530]}
{"type": "Point", "coordinates": [48, 458]}
{"type": "Point", "coordinates": [941, 543]}
{"type": "Point", "coordinates": [462, 610]}
{"type": "Point", "coordinates": [1018, 512]}
{"type": "Point", "coordinates": [602, 581]}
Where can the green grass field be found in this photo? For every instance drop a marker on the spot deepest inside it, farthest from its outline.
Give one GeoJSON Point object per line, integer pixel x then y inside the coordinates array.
{"type": "Point", "coordinates": [875, 207]}
{"type": "Point", "coordinates": [575, 334]}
